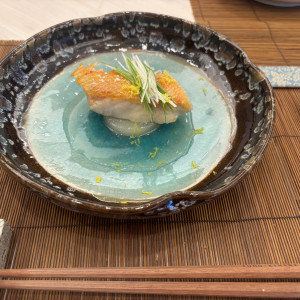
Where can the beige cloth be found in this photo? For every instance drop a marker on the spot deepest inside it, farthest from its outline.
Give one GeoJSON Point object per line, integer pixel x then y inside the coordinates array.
{"type": "Point", "coordinates": [32, 16]}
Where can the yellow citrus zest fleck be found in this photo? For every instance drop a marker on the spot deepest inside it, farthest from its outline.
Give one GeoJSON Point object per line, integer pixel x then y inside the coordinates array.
{"type": "Point", "coordinates": [124, 202]}
{"type": "Point", "coordinates": [167, 97]}
{"type": "Point", "coordinates": [197, 131]}
{"type": "Point", "coordinates": [136, 130]}
{"type": "Point", "coordinates": [119, 170]}
{"type": "Point", "coordinates": [149, 173]}
{"type": "Point", "coordinates": [147, 193]}
{"type": "Point", "coordinates": [166, 78]}
{"type": "Point", "coordinates": [161, 163]}
{"type": "Point", "coordinates": [200, 78]}
{"type": "Point", "coordinates": [136, 142]}
{"type": "Point", "coordinates": [116, 165]}
{"type": "Point", "coordinates": [204, 91]}
{"type": "Point", "coordinates": [194, 165]}
{"type": "Point", "coordinates": [153, 154]}
{"type": "Point", "coordinates": [98, 179]}
{"type": "Point", "coordinates": [214, 172]}
{"type": "Point", "coordinates": [131, 90]}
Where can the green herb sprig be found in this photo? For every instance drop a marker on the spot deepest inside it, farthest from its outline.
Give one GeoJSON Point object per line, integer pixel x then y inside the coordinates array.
{"type": "Point", "coordinates": [141, 75]}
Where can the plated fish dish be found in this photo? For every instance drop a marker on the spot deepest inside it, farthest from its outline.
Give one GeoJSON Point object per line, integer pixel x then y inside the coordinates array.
{"type": "Point", "coordinates": [130, 127]}
{"type": "Point", "coordinates": [135, 93]}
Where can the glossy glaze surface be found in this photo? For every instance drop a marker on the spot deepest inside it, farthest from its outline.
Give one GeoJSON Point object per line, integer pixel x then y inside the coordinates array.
{"type": "Point", "coordinates": [73, 143]}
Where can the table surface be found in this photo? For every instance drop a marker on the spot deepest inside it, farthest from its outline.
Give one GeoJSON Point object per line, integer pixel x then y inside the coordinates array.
{"type": "Point", "coordinates": [256, 222]}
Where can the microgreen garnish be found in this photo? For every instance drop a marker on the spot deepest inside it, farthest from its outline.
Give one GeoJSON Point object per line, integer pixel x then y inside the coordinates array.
{"type": "Point", "coordinates": [142, 76]}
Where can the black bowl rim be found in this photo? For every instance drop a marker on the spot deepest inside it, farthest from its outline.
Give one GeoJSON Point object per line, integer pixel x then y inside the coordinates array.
{"type": "Point", "coordinates": [133, 208]}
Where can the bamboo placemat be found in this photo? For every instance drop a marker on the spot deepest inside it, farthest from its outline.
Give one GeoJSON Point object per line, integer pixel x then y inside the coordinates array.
{"type": "Point", "coordinates": [270, 35]}
{"type": "Point", "coordinates": [257, 222]}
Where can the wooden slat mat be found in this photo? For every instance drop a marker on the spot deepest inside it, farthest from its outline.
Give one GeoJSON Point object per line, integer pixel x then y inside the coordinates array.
{"type": "Point", "coordinates": [270, 35]}
{"type": "Point", "coordinates": [257, 222]}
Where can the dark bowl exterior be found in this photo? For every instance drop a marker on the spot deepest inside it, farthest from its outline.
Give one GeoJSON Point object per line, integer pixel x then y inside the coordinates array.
{"type": "Point", "coordinates": [29, 66]}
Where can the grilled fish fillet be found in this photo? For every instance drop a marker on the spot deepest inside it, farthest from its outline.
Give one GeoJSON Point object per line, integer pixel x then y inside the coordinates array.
{"type": "Point", "coordinates": [110, 94]}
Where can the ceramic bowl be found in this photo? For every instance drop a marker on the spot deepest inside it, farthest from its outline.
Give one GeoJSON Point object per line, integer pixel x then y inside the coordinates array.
{"type": "Point", "coordinates": [35, 62]}
{"type": "Point", "coordinates": [281, 3]}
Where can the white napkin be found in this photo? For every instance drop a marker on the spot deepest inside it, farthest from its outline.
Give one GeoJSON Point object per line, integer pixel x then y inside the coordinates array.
{"type": "Point", "coordinates": [20, 19]}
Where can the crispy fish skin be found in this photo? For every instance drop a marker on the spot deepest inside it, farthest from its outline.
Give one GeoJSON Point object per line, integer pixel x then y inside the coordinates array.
{"type": "Point", "coordinates": [110, 94]}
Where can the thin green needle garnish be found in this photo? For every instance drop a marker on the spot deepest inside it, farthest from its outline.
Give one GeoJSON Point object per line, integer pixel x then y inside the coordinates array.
{"type": "Point", "coordinates": [197, 131]}
{"type": "Point", "coordinates": [142, 76]}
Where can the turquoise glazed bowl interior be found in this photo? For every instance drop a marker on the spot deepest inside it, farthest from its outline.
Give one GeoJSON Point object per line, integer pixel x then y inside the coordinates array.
{"type": "Point", "coordinates": [53, 143]}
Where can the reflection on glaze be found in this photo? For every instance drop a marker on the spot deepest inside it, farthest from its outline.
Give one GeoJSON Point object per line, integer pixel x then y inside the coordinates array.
{"type": "Point", "coordinates": [72, 143]}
